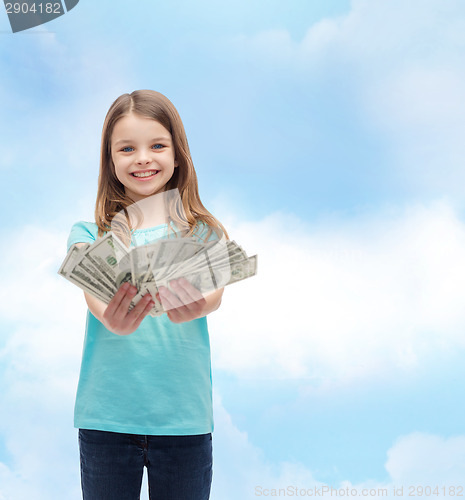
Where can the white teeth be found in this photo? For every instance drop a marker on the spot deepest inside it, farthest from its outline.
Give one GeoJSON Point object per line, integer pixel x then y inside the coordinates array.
{"type": "Point", "coordinates": [145, 174]}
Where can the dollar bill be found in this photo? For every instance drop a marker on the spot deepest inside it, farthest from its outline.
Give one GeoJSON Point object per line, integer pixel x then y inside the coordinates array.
{"type": "Point", "coordinates": [102, 267]}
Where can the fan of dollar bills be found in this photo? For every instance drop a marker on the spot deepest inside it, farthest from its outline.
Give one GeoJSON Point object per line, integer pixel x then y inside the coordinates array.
{"type": "Point", "coordinates": [102, 267]}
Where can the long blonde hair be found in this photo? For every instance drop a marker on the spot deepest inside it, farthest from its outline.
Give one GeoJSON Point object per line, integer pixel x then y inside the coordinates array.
{"type": "Point", "coordinates": [111, 197]}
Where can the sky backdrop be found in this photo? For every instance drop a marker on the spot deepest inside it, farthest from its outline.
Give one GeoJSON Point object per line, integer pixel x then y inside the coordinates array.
{"type": "Point", "coordinates": [328, 138]}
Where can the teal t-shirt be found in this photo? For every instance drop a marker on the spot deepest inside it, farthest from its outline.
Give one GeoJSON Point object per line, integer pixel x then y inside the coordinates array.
{"type": "Point", "coordinates": [155, 381]}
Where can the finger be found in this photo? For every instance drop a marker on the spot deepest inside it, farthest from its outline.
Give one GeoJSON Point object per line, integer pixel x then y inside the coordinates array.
{"type": "Point", "coordinates": [188, 294]}
{"type": "Point", "coordinates": [168, 299]}
{"type": "Point", "coordinates": [139, 307]}
{"type": "Point", "coordinates": [117, 298]}
{"type": "Point", "coordinates": [144, 313]}
{"type": "Point", "coordinates": [186, 291]}
{"type": "Point", "coordinates": [123, 309]}
{"type": "Point", "coordinates": [175, 316]}
{"type": "Point", "coordinates": [141, 310]}
{"type": "Point", "coordinates": [182, 295]}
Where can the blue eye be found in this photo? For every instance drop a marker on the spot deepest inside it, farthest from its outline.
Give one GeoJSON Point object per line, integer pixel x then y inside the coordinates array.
{"type": "Point", "coordinates": [128, 149]}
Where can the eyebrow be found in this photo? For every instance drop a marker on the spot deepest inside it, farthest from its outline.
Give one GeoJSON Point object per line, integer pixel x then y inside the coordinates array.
{"type": "Point", "coordinates": [128, 141]}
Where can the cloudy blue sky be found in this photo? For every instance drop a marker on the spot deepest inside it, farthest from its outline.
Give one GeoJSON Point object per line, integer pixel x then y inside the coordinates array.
{"type": "Point", "coordinates": [328, 138]}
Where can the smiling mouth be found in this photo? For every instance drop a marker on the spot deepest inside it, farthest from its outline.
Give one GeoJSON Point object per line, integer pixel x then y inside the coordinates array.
{"type": "Point", "coordinates": [148, 173]}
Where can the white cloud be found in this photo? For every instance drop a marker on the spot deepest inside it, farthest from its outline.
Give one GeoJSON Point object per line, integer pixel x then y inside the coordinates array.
{"type": "Point", "coordinates": [241, 469]}
{"type": "Point", "coordinates": [42, 333]}
{"type": "Point", "coordinates": [331, 301]}
{"type": "Point", "coordinates": [344, 299]}
{"type": "Point", "coordinates": [401, 67]}
{"type": "Point", "coordinates": [55, 86]}
{"type": "Point", "coordinates": [414, 460]}
{"type": "Point", "coordinates": [421, 459]}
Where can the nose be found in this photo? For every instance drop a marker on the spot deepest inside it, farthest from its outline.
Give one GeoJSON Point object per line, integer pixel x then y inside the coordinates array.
{"type": "Point", "coordinates": [143, 158]}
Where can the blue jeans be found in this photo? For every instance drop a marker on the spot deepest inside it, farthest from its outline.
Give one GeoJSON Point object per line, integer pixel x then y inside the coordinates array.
{"type": "Point", "coordinates": [112, 465]}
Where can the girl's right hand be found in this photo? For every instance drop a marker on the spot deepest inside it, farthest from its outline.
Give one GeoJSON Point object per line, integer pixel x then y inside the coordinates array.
{"type": "Point", "coordinates": [118, 318]}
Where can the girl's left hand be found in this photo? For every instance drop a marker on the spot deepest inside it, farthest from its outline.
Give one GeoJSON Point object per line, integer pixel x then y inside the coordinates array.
{"type": "Point", "coordinates": [186, 305]}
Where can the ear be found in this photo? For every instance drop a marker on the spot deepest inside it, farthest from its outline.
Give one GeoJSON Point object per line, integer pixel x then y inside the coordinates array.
{"type": "Point", "coordinates": [176, 163]}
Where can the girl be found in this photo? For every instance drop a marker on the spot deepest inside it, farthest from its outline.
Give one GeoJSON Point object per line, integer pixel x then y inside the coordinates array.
{"type": "Point", "coordinates": [144, 396]}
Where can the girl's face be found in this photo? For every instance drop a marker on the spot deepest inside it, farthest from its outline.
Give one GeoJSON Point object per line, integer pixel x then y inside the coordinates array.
{"type": "Point", "coordinates": [143, 154]}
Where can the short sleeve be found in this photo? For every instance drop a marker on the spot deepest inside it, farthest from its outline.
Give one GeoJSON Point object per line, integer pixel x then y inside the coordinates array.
{"type": "Point", "coordinates": [83, 232]}
{"type": "Point", "coordinates": [202, 230]}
